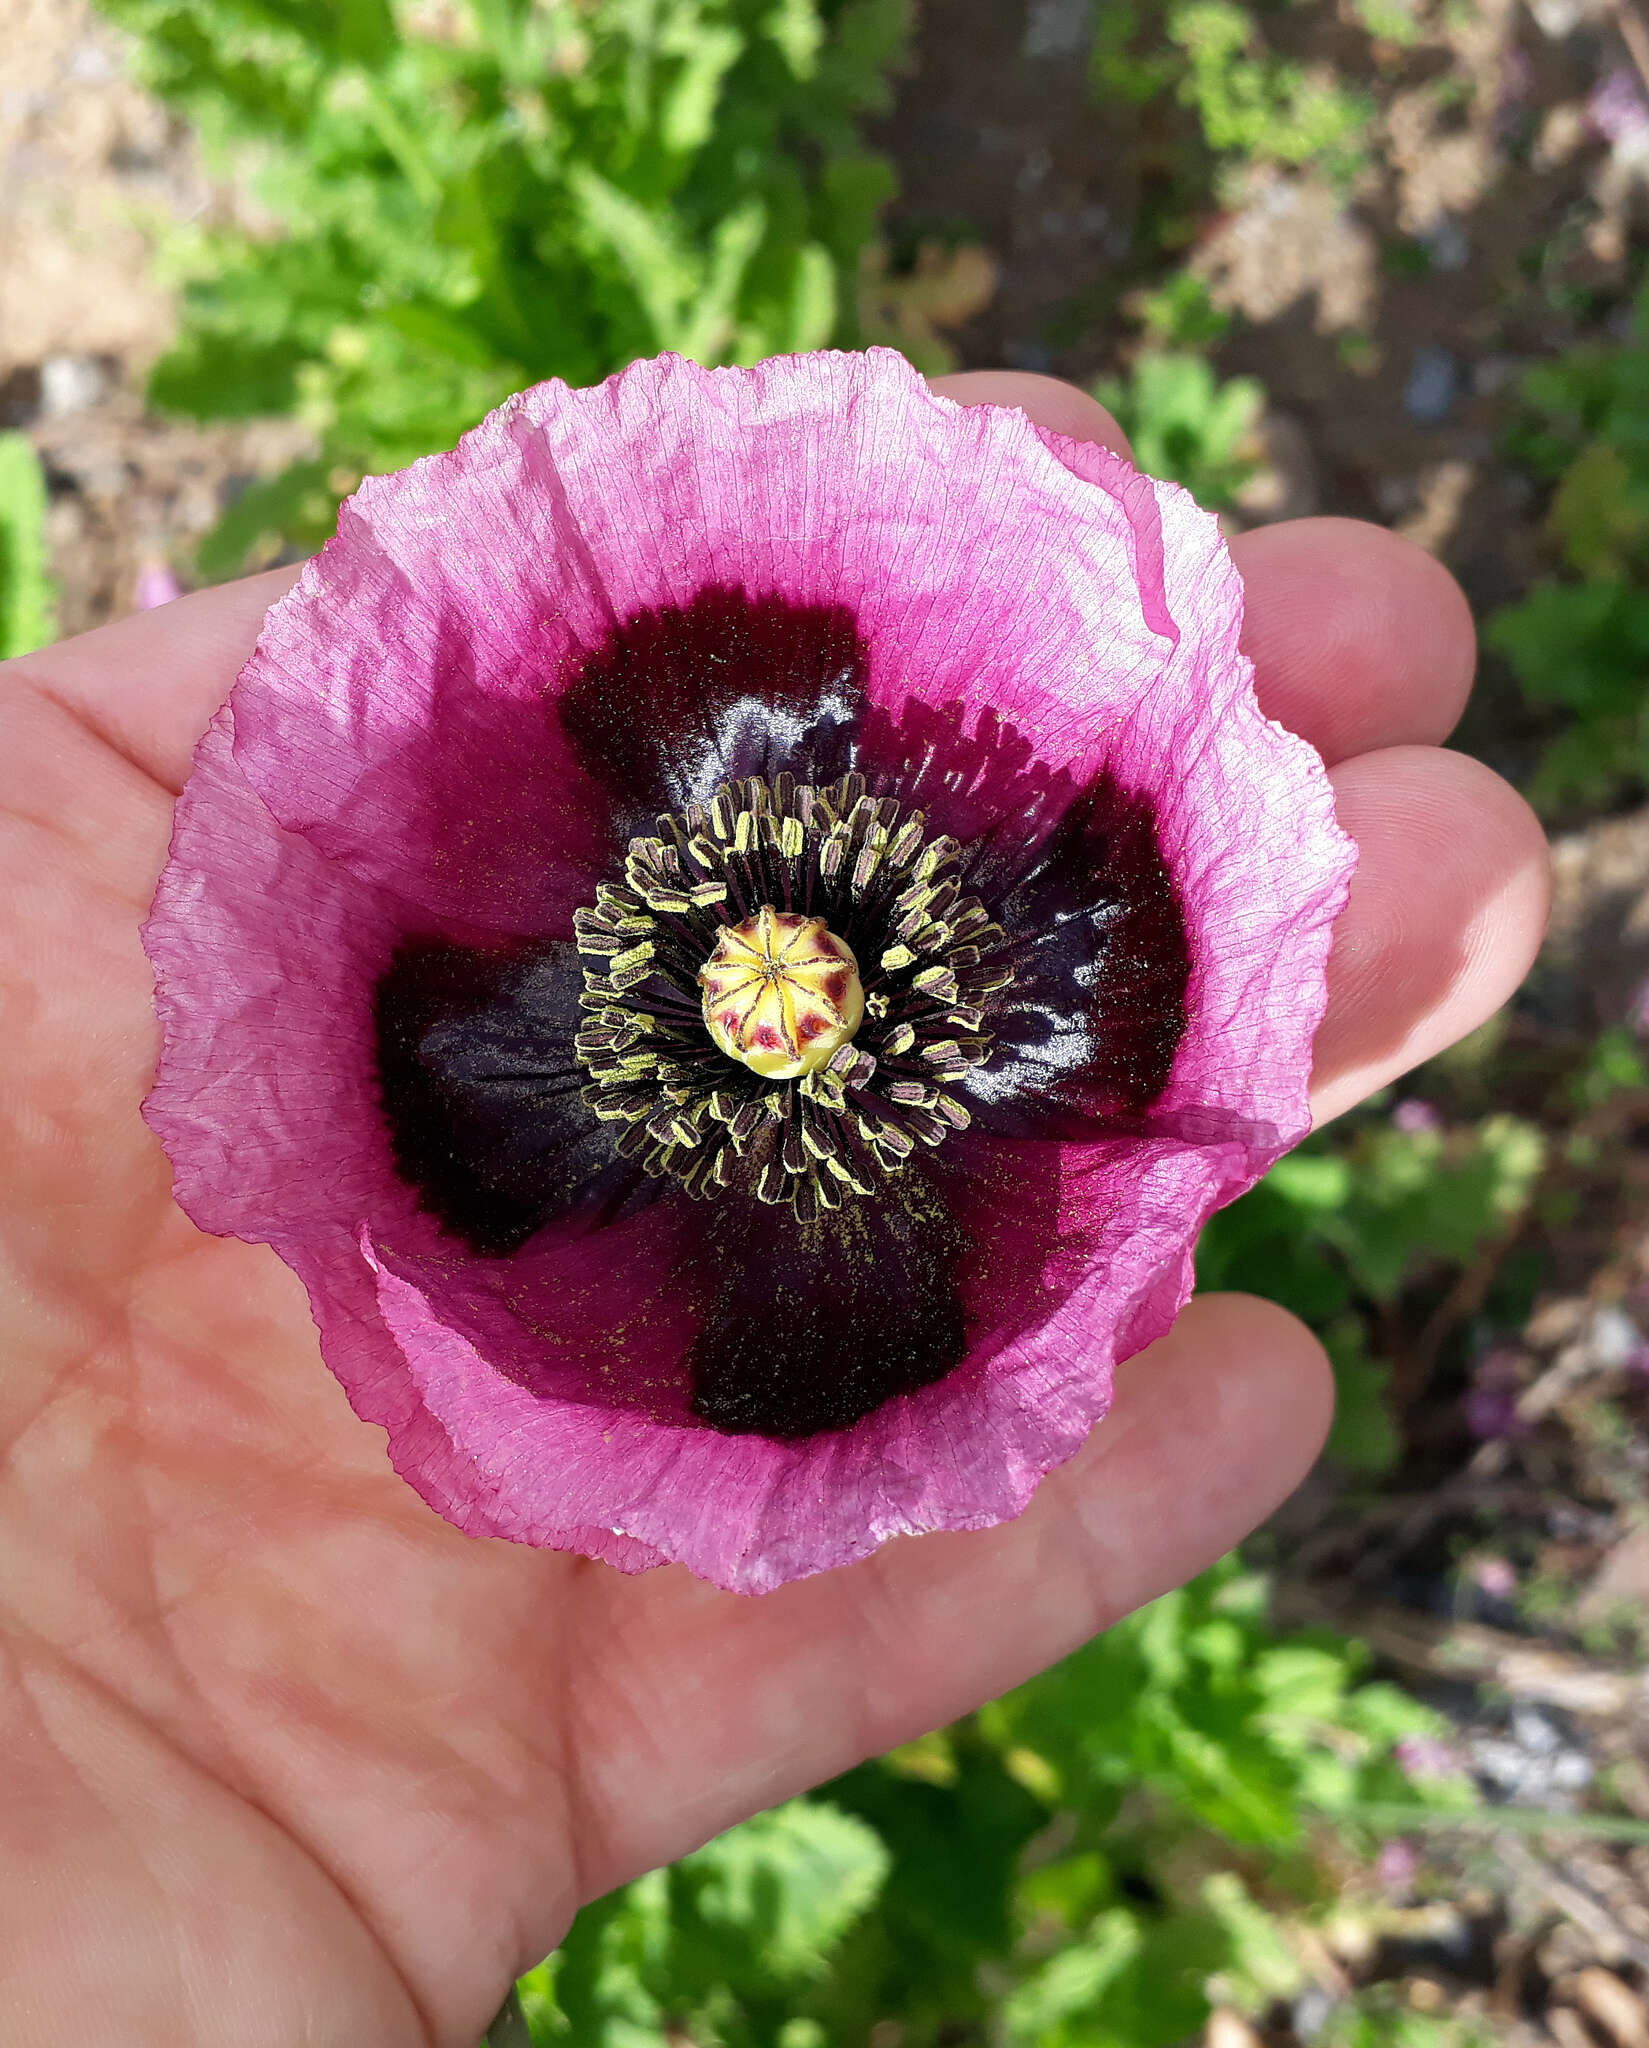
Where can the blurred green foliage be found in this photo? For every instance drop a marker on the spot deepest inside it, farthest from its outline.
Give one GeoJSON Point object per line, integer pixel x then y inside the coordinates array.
{"type": "Point", "coordinates": [1093, 1860]}
{"type": "Point", "coordinates": [728, 1943]}
{"type": "Point", "coordinates": [1179, 313]}
{"type": "Point", "coordinates": [26, 620]}
{"type": "Point", "coordinates": [1252, 106]}
{"type": "Point", "coordinates": [1389, 21]}
{"type": "Point", "coordinates": [1340, 1229]}
{"type": "Point", "coordinates": [469, 195]}
{"type": "Point", "coordinates": [1580, 640]}
{"type": "Point", "coordinates": [1186, 424]}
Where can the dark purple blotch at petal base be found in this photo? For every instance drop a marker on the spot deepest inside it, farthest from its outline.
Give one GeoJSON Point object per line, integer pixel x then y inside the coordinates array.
{"type": "Point", "coordinates": [480, 1093]}
{"type": "Point", "coordinates": [680, 698]}
{"type": "Point", "coordinates": [1102, 967]}
{"type": "Point", "coordinates": [599, 607]}
{"type": "Point", "coordinates": [806, 1327]}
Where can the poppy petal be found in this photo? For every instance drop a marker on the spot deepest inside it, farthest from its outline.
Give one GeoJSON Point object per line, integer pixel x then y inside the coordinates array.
{"type": "Point", "coordinates": [429, 749]}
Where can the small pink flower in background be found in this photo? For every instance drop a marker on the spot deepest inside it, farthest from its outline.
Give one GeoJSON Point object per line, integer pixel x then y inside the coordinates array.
{"type": "Point", "coordinates": [1616, 107]}
{"type": "Point", "coordinates": [1490, 1402]}
{"type": "Point", "coordinates": [1496, 1577]}
{"type": "Point", "coordinates": [960, 703]}
{"type": "Point", "coordinates": [1428, 1756]}
{"type": "Point", "coordinates": [156, 585]}
{"type": "Point", "coordinates": [1397, 1866]}
{"type": "Point", "coordinates": [1414, 1116]}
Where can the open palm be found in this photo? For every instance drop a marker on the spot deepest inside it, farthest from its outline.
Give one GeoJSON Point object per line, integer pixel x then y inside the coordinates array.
{"type": "Point", "coordinates": [288, 1759]}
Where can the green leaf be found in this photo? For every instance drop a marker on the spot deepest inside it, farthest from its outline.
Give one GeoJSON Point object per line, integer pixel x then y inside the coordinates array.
{"type": "Point", "coordinates": [688, 114]}
{"type": "Point", "coordinates": [553, 191]}
{"type": "Point", "coordinates": [1363, 1438]}
{"type": "Point", "coordinates": [26, 599]}
{"type": "Point", "coordinates": [1185, 424]}
{"type": "Point", "coordinates": [772, 1898]}
{"type": "Point", "coordinates": [1180, 314]}
{"type": "Point", "coordinates": [1597, 515]}
{"type": "Point", "coordinates": [725, 1943]}
{"type": "Point", "coordinates": [689, 299]}
{"type": "Point", "coordinates": [1392, 21]}
{"type": "Point", "coordinates": [1582, 643]}
{"type": "Point", "coordinates": [707, 330]}
{"type": "Point", "coordinates": [795, 26]}
{"type": "Point", "coordinates": [1074, 1982]}
{"type": "Point", "coordinates": [1312, 1181]}
{"type": "Point", "coordinates": [1254, 105]}
{"type": "Point", "coordinates": [212, 375]}
{"type": "Point", "coordinates": [364, 32]}
{"type": "Point", "coordinates": [1262, 1967]}
{"type": "Point", "coordinates": [812, 300]}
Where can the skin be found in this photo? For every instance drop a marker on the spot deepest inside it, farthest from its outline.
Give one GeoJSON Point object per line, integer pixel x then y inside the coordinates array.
{"type": "Point", "coordinates": [288, 1759]}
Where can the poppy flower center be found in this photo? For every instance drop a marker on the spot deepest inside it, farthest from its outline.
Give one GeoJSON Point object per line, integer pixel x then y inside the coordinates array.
{"type": "Point", "coordinates": [783, 986]}
{"type": "Point", "coordinates": [781, 993]}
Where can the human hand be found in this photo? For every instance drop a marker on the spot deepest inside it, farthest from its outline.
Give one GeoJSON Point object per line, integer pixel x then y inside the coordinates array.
{"type": "Point", "coordinates": [289, 1758]}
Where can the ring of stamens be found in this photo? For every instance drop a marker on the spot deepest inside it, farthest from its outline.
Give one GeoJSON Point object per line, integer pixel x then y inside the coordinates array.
{"type": "Point", "coordinates": [929, 956]}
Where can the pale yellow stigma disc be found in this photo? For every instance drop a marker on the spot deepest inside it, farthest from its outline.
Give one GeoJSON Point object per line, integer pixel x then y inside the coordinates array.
{"type": "Point", "coordinates": [781, 993]}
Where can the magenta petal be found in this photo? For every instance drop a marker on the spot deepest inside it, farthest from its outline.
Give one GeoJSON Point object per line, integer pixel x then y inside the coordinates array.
{"type": "Point", "coordinates": [264, 955]}
{"type": "Point", "coordinates": [1246, 817]}
{"type": "Point", "coordinates": [983, 573]}
{"type": "Point", "coordinates": [749, 1514]}
{"type": "Point", "coordinates": [395, 767]}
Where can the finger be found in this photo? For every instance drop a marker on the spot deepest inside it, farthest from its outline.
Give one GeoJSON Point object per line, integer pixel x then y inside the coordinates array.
{"type": "Point", "coordinates": [1048, 401]}
{"type": "Point", "coordinates": [148, 684]}
{"type": "Point", "coordinates": [753, 1700]}
{"type": "Point", "coordinates": [1447, 910]}
{"type": "Point", "coordinates": [1359, 638]}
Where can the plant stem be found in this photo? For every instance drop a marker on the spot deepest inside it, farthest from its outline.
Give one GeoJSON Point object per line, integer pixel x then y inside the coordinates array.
{"type": "Point", "coordinates": [509, 2028]}
{"type": "Point", "coordinates": [1391, 1817]}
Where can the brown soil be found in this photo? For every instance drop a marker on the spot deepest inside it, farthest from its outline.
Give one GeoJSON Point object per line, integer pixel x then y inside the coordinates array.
{"type": "Point", "coordinates": [96, 182]}
{"type": "Point", "coordinates": [1389, 322]}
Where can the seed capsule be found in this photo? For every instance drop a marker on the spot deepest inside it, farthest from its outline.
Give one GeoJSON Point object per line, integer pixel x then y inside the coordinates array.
{"type": "Point", "coordinates": [781, 993]}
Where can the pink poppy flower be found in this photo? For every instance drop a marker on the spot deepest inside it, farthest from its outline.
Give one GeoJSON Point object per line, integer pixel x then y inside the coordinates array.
{"type": "Point", "coordinates": [733, 930]}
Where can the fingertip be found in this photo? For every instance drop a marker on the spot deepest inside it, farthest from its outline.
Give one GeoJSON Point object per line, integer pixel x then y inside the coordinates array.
{"type": "Point", "coordinates": [1046, 401]}
{"type": "Point", "coordinates": [1261, 1391]}
{"type": "Point", "coordinates": [149, 683]}
{"type": "Point", "coordinates": [1447, 910]}
{"type": "Point", "coordinates": [1359, 638]}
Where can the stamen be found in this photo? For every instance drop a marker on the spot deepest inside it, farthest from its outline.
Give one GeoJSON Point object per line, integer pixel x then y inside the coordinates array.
{"type": "Point", "coordinates": [732, 1040]}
